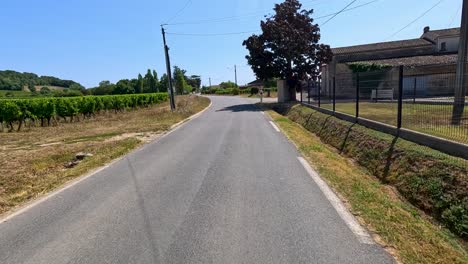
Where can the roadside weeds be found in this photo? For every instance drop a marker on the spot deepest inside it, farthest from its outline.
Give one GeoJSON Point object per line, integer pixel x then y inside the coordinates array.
{"type": "Point", "coordinates": [32, 163]}
{"type": "Point", "coordinates": [403, 230]}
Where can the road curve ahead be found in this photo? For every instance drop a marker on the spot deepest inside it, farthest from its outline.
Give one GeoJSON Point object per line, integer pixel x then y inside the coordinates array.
{"type": "Point", "coordinates": [224, 188]}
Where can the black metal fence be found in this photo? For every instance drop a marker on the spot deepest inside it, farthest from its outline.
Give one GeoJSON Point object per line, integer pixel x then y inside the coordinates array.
{"type": "Point", "coordinates": [420, 99]}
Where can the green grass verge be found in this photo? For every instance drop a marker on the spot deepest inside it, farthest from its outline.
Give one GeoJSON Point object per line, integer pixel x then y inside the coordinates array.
{"type": "Point", "coordinates": [433, 181]}
{"type": "Point", "coordinates": [426, 118]}
{"type": "Point", "coordinates": [400, 227]}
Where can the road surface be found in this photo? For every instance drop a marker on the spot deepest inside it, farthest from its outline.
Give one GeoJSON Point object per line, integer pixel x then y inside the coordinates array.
{"type": "Point", "coordinates": [224, 188]}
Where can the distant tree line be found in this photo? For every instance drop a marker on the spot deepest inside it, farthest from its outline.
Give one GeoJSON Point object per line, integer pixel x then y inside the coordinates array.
{"type": "Point", "coordinates": [150, 83]}
{"type": "Point", "coordinates": [17, 81]}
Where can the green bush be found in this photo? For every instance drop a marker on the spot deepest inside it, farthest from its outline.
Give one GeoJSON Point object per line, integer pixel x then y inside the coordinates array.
{"type": "Point", "coordinates": [211, 90]}
{"type": "Point", "coordinates": [235, 91]}
{"type": "Point", "coordinates": [45, 90]}
{"type": "Point", "coordinates": [244, 91]}
{"type": "Point", "coordinates": [224, 91]}
{"type": "Point", "coordinates": [254, 90]}
{"type": "Point", "coordinates": [433, 181]}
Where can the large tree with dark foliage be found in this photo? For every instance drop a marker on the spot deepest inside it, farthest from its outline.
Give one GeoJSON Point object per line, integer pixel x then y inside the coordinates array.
{"type": "Point", "coordinates": [150, 83]}
{"type": "Point", "coordinates": [180, 82]}
{"type": "Point", "coordinates": [288, 47]}
{"type": "Point", "coordinates": [12, 80]}
{"type": "Point", "coordinates": [194, 81]}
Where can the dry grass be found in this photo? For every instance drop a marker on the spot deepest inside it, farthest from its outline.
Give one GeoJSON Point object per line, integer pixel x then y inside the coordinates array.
{"type": "Point", "coordinates": [32, 161]}
{"type": "Point", "coordinates": [401, 228]}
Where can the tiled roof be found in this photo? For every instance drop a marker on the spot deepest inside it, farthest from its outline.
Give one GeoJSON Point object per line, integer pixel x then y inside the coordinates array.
{"type": "Point", "coordinates": [434, 34]}
{"type": "Point", "coordinates": [383, 46]}
{"type": "Point", "coordinates": [256, 83]}
{"type": "Point", "coordinates": [416, 61]}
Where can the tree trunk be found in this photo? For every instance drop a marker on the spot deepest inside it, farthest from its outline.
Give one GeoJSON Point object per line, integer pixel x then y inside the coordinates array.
{"type": "Point", "coordinates": [20, 124]}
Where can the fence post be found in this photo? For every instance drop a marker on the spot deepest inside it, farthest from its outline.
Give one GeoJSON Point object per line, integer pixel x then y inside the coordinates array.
{"type": "Point", "coordinates": [400, 96]}
{"type": "Point", "coordinates": [334, 95]}
{"type": "Point", "coordinates": [308, 91]}
{"type": "Point", "coordinates": [357, 96]}
{"type": "Point", "coordinates": [302, 91]}
{"type": "Point", "coordinates": [319, 87]}
{"type": "Point", "coordinates": [414, 90]}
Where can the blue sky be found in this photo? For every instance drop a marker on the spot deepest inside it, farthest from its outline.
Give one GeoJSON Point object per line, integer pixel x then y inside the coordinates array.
{"type": "Point", "coordinates": [93, 40]}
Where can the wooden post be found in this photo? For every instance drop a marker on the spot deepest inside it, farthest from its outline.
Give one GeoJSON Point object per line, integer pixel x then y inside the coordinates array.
{"type": "Point", "coordinates": [400, 97]}
{"type": "Point", "coordinates": [334, 94]}
{"type": "Point", "coordinates": [357, 96]}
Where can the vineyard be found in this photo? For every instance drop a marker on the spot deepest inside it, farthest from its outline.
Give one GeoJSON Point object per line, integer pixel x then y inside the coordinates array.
{"type": "Point", "coordinates": [19, 111]}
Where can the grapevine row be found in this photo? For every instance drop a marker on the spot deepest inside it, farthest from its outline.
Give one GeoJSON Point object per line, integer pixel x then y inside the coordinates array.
{"type": "Point", "coordinates": [45, 109]}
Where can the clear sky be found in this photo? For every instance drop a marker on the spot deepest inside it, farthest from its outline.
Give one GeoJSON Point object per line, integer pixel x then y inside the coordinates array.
{"type": "Point", "coordinates": [93, 40]}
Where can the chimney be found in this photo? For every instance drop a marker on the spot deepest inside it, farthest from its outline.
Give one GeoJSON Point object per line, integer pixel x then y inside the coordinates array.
{"type": "Point", "coordinates": [426, 29]}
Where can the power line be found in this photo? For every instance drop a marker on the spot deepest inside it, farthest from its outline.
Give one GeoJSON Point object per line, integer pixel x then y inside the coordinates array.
{"type": "Point", "coordinates": [412, 22]}
{"type": "Point", "coordinates": [339, 12]}
{"type": "Point", "coordinates": [253, 31]}
{"type": "Point", "coordinates": [180, 11]}
{"type": "Point", "coordinates": [211, 34]}
{"type": "Point", "coordinates": [233, 18]}
{"type": "Point", "coordinates": [349, 9]}
{"type": "Point", "coordinates": [454, 16]}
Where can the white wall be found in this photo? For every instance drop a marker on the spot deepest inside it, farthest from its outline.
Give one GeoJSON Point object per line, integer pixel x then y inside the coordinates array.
{"type": "Point", "coordinates": [450, 42]}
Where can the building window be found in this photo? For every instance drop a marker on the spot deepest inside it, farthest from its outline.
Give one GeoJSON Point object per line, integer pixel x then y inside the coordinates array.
{"type": "Point", "coordinates": [443, 46]}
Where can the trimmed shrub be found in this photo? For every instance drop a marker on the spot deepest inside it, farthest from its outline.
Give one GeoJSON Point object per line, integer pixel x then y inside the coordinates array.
{"type": "Point", "coordinates": [254, 90]}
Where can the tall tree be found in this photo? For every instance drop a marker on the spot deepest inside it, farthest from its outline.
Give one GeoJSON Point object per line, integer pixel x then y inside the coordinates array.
{"type": "Point", "coordinates": [179, 80]}
{"type": "Point", "coordinates": [123, 87]}
{"type": "Point", "coordinates": [194, 81]}
{"type": "Point", "coordinates": [139, 85]}
{"type": "Point", "coordinates": [288, 47]}
{"type": "Point", "coordinates": [163, 83]}
{"type": "Point", "coordinates": [149, 82]}
{"type": "Point", "coordinates": [104, 83]}
{"type": "Point", "coordinates": [156, 81]}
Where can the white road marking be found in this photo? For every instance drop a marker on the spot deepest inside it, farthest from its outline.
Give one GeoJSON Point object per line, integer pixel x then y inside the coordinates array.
{"type": "Point", "coordinates": [274, 126]}
{"type": "Point", "coordinates": [28, 206]}
{"type": "Point", "coordinates": [362, 235]}
{"type": "Point", "coordinates": [263, 113]}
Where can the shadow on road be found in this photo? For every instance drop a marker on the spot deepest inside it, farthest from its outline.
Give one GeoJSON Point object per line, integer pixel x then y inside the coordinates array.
{"type": "Point", "coordinates": [240, 108]}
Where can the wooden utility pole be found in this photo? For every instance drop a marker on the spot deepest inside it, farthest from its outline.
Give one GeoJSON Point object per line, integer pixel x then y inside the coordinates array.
{"type": "Point", "coordinates": [210, 81]}
{"type": "Point", "coordinates": [235, 74]}
{"type": "Point", "coordinates": [460, 82]}
{"type": "Point", "coordinates": [170, 90]}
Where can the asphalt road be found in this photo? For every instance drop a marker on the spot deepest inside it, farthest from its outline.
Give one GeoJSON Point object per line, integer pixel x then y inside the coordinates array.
{"type": "Point", "coordinates": [224, 188]}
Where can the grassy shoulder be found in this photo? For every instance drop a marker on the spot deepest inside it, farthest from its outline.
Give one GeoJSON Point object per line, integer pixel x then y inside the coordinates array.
{"type": "Point", "coordinates": [32, 162]}
{"type": "Point", "coordinates": [400, 227]}
{"type": "Point", "coordinates": [431, 119]}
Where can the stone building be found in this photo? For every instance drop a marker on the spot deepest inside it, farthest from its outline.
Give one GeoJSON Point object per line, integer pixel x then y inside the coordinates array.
{"type": "Point", "coordinates": [430, 66]}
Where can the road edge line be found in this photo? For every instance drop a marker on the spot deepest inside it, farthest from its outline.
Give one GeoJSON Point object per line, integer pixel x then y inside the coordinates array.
{"type": "Point", "coordinates": [359, 231]}
{"type": "Point", "coordinates": [25, 207]}
{"type": "Point", "coordinates": [275, 126]}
